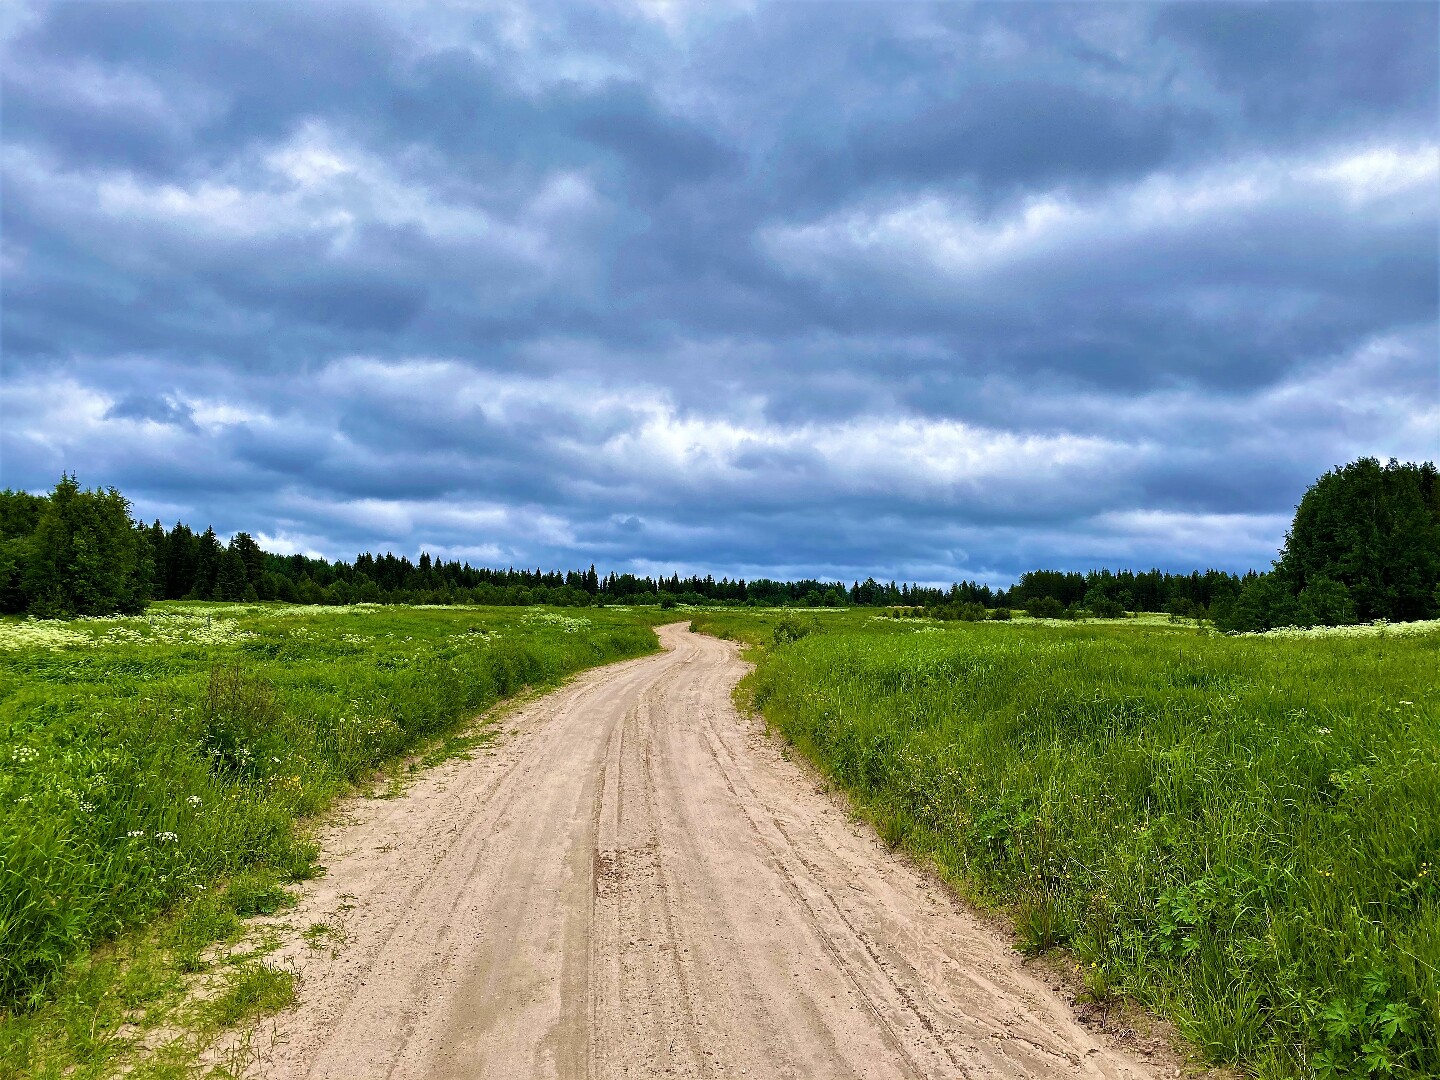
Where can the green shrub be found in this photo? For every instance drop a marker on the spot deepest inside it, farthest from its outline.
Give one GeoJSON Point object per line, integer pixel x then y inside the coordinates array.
{"type": "Point", "coordinates": [791, 628]}
{"type": "Point", "coordinates": [1045, 607]}
{"type": "Point", "coordinates": [962, 612]}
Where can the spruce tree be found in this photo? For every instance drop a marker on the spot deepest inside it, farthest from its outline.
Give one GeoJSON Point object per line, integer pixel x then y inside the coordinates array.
{"type": "Point", "coordinates": [230, 580]}
{"type": "Point", "coordinates": [208, 556]}
{"type": "Point", "coordinates": [155, 539]}
{"type": "Point", "coordinates": [182, 554]}
{"type": "Point", "coordinates": [19, 514]}
{"type": "Point", "coordinates": [250, 554]}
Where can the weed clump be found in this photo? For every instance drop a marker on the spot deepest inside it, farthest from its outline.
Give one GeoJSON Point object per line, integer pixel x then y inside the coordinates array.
{"type": "Point", "coordinates": [254, 989]}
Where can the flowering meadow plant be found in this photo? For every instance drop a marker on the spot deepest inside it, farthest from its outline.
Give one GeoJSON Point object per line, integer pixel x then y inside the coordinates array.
{"type": "Point", "coordinates": [156, 627]}
{"type": "Point", "coordinates": [1378, 628]}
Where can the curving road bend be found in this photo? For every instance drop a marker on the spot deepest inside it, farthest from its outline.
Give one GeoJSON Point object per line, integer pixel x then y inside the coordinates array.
{"type": "Point", "coordinates": [634, 881]}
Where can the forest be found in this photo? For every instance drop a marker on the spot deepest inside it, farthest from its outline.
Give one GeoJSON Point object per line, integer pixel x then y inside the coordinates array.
{"type": "Point", "coordinates": [1365, 545]}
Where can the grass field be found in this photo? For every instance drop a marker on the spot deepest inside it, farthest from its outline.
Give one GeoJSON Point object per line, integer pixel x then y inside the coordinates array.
{"type": "Point", "coordinates": [156, 773]}
{"type": "Point", "coordinates": [1242, 833]}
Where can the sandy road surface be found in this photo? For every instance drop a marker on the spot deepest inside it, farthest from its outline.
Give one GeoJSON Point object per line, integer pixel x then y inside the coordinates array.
{"type": "Point", "coordinates": [634, 882]}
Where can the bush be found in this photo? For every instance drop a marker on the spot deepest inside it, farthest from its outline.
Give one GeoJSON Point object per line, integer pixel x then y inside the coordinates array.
{"type": "Point", "coordinates": [963, 612]}
{"type": "Point", "coordinates": [1105, 608]}
{"type": "Point", "coordinates": [1180, 608]}
{"type": "Point", "coordinates": [1326, 603]}
{"type": "Point", "coordinates": [1264, 604]}
{"type": "Point", "coordinates": [792, 628]}
{"type": "Point", "coordinates": [1045, 607]}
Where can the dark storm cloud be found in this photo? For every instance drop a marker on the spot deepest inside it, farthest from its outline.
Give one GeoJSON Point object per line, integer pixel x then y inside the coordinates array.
{"type": "Point", "coordinates": [1024, 132]}
{"type": "Point", "coordinates": [1300, 67]}
{"type": "Point", "coordinates": [145, 407]}
{"type": "Point", "coordinates": [915, 291]}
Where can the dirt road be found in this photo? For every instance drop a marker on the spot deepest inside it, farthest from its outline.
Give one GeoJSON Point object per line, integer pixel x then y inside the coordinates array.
{"type": "Point", "coordinates": [635, 882]}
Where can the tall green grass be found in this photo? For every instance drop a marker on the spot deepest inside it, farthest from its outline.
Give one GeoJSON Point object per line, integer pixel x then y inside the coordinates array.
{"type": "Point", "coordinates": [142, 760]}
{"type": "Point", "coordinates": [1242, 833]}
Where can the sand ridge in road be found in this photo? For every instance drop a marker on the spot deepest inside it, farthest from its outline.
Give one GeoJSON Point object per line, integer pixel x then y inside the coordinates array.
{"type": "Point", "coordinates": [635, 882]}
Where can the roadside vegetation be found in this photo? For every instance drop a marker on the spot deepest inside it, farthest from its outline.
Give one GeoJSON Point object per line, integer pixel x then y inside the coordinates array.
{"type": "Point", "coordinates": [157, 773]}
{"type": "Point", "coordinates": [1241, 832]}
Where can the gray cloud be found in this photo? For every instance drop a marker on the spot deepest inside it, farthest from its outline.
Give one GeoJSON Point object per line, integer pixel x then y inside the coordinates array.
{"type": "Point", "coordinates": [918, 292]}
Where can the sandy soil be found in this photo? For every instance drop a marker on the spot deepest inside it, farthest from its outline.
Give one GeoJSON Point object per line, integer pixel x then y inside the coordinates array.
{"type": "Point", "coordinates": [634, 881]}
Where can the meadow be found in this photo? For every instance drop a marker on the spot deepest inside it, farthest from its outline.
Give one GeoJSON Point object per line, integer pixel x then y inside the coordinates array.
{"type": "Point", "coordinates": [1241, 833]}
{"type": "Point", "coordinates": [158, 774]}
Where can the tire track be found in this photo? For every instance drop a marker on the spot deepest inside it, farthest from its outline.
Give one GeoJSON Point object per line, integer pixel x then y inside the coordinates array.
{"type": "Point", "coordinates": [634, 884]}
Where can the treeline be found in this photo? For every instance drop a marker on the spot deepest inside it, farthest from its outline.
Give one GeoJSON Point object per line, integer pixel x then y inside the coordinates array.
{"type": "Point", "coordinates": [1365, 545]}
{"type": "Point", "coordinates": [1106, 594]}
{"type": "Point", "coordinates": [77, 552]}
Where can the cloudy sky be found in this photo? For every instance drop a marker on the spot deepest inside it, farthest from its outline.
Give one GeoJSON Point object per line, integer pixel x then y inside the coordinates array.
{"type": "Point", "coordinates": [924, 292]}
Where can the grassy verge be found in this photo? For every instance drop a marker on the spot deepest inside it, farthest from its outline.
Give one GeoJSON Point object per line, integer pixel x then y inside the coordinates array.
{"type": "Point", "coordinates": [1240, 833]}
{"type": "Point", "coordinates": [156, 774]}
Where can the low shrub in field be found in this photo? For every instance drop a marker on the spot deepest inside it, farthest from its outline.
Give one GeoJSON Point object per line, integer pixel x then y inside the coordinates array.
{"type": "Point", "coordinates": [1243, 833]}
{"type": "Point", "coordinates": [143, 760]}
{"type": "Point", "coordinates": [791, 627]}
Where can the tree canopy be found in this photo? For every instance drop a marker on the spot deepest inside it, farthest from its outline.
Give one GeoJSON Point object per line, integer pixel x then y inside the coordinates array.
{"type": "Point", "coordinates": [82, 556]}
{"type": "Point", "coordinates": [1364, 545]}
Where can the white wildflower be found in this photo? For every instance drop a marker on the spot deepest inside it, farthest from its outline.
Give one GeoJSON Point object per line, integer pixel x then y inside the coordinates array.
{"type": "Point", "coordinates": [157, 627]}
{"type": "Point", "coordinates": [193, 800]}
{"type": "Point", "coordinates": [1378, 627]}
{"type": "Point", "coordinates": [166, 837]}
{"type": "Point", "coordinates": [552, 618]}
